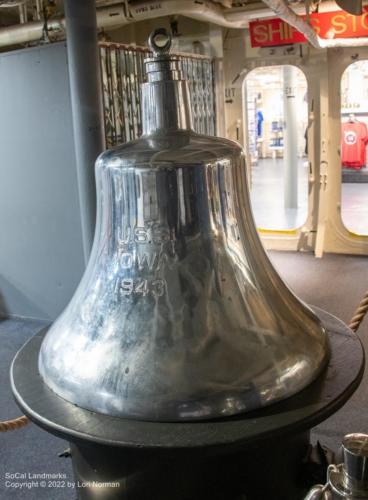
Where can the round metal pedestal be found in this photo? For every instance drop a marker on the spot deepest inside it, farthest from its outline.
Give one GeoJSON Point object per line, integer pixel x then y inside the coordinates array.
{"type": "Point", "coordinates": [252, 456]}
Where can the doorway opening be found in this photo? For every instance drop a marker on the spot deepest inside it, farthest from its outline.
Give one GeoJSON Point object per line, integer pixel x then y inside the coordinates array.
{"type": "Point", "coordinates": [276, 111]}
{"type": "Point", "coordinates": [353, 152]}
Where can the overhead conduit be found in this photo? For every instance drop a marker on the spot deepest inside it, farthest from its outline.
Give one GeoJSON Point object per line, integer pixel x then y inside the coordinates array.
{"type": "Point", "coordinates": [207, 11]}
{"type": "Point", "coordinates": [32, 32]}
{"type": "Point", "coordinates": [116, 16]}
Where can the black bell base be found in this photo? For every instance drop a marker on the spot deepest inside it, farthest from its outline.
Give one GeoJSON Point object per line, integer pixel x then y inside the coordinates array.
{"type": "Point", "coordinates": [257, 472]}
{"type": "Point", "coordinates": [254, 456]}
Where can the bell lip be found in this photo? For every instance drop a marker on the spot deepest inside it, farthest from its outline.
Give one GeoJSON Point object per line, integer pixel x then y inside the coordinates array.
{"type": "Point", "coordinates": [327, 395]}
{"type": "Point", "coordinates": [191, 417]}
{"type": "Point", "coordinates": [214, 401]}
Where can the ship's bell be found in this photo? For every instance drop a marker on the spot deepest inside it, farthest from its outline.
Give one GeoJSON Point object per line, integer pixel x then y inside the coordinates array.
{"type": "Point", "coordinates": [180, 314]}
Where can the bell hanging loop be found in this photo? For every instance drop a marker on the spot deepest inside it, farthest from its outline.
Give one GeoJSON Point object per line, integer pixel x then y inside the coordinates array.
{"type": "Point", "coordinates": [155, 42]}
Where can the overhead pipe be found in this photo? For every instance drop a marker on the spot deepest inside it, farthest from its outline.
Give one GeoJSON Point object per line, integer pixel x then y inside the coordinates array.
{"type": "Point", "coordinates": [9, 4]}
{"type": "Point", "coordinates": [206, 11]}
{"type": "Point", "coordinates": [23, 14]}
{"type": "Point", "coordinates": [116, 15]}
{"type": "Point", "coordinates": [32, 32]}
{"type": "Point", "coordinates": [29, 32]}
{"type": "Point", "coordinates": [38, 9]}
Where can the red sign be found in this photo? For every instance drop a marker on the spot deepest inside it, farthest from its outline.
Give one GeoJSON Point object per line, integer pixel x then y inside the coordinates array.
{"type": "Point", "coordinates": [337, 24]}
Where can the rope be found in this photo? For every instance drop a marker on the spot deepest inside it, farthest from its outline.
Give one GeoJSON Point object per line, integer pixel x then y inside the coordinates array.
{"type": "Point", "coordinates": [359, 313]}
{"type": "Point", "coordinates": [12, 425]}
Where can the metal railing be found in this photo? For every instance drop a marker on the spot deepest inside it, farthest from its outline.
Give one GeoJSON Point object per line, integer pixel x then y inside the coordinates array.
{"type": "Point", "coordinates": [122, 73]}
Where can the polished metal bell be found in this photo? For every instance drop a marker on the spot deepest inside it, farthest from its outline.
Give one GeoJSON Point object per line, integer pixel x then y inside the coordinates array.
{"type": "Point", "coordinates": [180, 314]}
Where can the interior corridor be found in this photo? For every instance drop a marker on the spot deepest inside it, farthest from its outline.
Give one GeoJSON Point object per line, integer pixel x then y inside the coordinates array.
{"type": "Point", "coordinates": [267, 195]}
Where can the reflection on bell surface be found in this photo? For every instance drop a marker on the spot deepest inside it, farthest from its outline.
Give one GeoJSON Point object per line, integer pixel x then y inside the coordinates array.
{"type": "Point", "coordinates": [180, 315]}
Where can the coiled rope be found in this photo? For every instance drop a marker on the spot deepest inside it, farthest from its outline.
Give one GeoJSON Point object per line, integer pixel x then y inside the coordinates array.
{"type": "Point", "coordinates": [12, 425]}
{"type": "Point", "coordinates": [359, 314]}
{"type": "Point", "coordinates": [355, 322]}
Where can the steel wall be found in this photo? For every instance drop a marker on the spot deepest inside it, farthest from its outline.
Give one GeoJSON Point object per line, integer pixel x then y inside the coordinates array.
{"type": "Point", "coordinates": [41, 254]}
